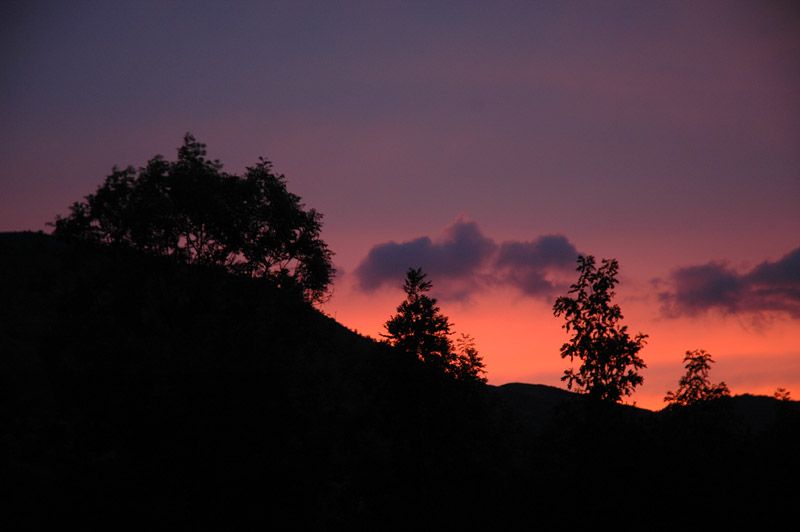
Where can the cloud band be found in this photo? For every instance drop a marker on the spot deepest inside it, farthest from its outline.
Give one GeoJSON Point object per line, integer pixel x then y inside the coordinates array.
{"type": "Point", "coordinates": [462, 261]}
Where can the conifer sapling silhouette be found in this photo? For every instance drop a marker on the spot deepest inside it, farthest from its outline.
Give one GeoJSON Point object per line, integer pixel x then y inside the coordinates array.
{"type": "Point", "coordinates": [420, 329]}
{"type": "Point", "coordinates": [469, 365]}
{"type": "Point", "coordinates": [609, 357]}
{"type": "Point", "coordinates": [695, 386]}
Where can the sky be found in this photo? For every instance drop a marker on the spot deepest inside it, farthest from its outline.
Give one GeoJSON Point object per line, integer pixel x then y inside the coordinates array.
{"type": "Point", "coordinates": [489, 143]}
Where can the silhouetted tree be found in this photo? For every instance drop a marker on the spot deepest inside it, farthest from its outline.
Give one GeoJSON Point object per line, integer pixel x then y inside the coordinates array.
{"type": "Point", "coordinates": [418, 327]}
{"type": "Point", "coordinates": [695, 387]}
{"type": "Point", "coordinates": [782, 394]}
{"type": "Point", "coordinates": [421, 330]}
{"type": "Point", "coordinates": [469, 364]}
{"type": "Point", "coordinates": [609, 357]}
{"type": "Point", "coordinates": [191, 210]}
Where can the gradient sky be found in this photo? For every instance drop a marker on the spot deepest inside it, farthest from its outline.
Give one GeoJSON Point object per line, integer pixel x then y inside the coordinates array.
{"type": "Point", "coordinates": [487, 142]}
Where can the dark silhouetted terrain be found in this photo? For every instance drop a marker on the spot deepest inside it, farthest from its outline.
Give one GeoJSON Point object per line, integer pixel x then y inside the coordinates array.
{"type": "Point", "coordinates": [141, 392]}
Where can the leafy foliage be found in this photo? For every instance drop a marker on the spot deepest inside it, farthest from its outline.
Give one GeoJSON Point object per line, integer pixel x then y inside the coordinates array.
{"type": "Point", "coordinates": [421, 330]}
{"type": "Point", "coordinates": [694, 386]}
{"type": "Point", "coordinates": [191, 210]}
{"type": "Point", "coordinates": [782, 394]}
{"type": "Point", "coordinates": [609, 357]}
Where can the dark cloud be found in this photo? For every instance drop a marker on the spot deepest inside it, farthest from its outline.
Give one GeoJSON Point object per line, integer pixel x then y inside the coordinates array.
{"type": "Point", "coordinates": [388, 262]}
{"type": "Point", "coordinates": [770, 286]}
{"type": "Point", "coordinates": [533, 266]}
{"type": "Point", "coordinates": [776, 285]}
{"type": "Point", "coordinates": [463, 260]}
{"type": "Point", "coordinates": [457, 255]}
{"type": "Point", "coordinates": [785, 272]}
{"type": "Point", "coordinates": [702, 287]}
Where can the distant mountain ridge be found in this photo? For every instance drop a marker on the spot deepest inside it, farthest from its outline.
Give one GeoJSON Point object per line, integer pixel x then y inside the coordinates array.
{"type": "Point", "coordinates": [536, 402]}
{"type": "Point", "coordinates": [138, 391]}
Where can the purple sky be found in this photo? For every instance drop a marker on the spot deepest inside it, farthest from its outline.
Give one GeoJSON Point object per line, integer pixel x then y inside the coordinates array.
{"type": "Point", "coordinates": [466, 136]}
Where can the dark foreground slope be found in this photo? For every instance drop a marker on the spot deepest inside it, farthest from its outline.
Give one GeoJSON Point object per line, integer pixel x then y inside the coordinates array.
{"type": "Point", "coordinates": [136, 391]}
{"type": "Point", "coordinates": [136, 388]}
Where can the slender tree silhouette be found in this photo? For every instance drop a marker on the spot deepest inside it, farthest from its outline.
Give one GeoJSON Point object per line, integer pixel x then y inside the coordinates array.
{"type": "Point", "coordinates": [469, 364]}
{"type": "Point", "coordinates": [190, 210]}
{"type": "Point", "coordinates": [609, 357]}
{"type": "Point", "coordinates": [695, 386]}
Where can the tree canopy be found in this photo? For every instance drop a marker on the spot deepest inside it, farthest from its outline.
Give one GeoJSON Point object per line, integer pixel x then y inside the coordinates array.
{"type": "Point", "coordinates": [420, 329]}
{"type": "Point", "coordinates": [191, 210]}
{"type": "Point", "coordinates": [695, 386]}
{"type": "Point", "coordinates": [609, 357]}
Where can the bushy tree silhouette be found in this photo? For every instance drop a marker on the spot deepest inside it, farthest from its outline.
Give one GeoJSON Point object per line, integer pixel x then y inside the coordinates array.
{"type": "Point", "coordinates": [191, 210]}
{"type": "Point", "coordinates": [695, 386]}
{"type": "Point", "coordinates": [609, 357]}
{"type": "Point", "coordinates": [420, 329]}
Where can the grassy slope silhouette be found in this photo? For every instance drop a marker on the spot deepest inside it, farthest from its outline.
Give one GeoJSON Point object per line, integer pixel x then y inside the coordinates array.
{"type": "Point", "coordinates": [138, 391]}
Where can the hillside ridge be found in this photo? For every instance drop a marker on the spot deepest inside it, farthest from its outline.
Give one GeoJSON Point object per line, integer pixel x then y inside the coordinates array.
{"type": "Point", "coordinates": [136, 390]}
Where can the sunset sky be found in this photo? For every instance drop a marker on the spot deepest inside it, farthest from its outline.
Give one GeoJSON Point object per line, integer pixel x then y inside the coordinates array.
{"type": "Point", "coordinates": [487, 142]}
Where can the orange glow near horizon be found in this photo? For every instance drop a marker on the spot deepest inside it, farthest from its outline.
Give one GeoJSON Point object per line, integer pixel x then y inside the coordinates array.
{"type": "Point", "coordinates": [520, 339]}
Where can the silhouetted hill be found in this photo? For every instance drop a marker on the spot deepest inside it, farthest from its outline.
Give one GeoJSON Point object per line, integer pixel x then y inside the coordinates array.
{"type": "Point", "coordinates": [140, 392]}
{"type": "Point", "coordinates": [537, 402]}
{"type": "Point", "coordinates": [138, 387]}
